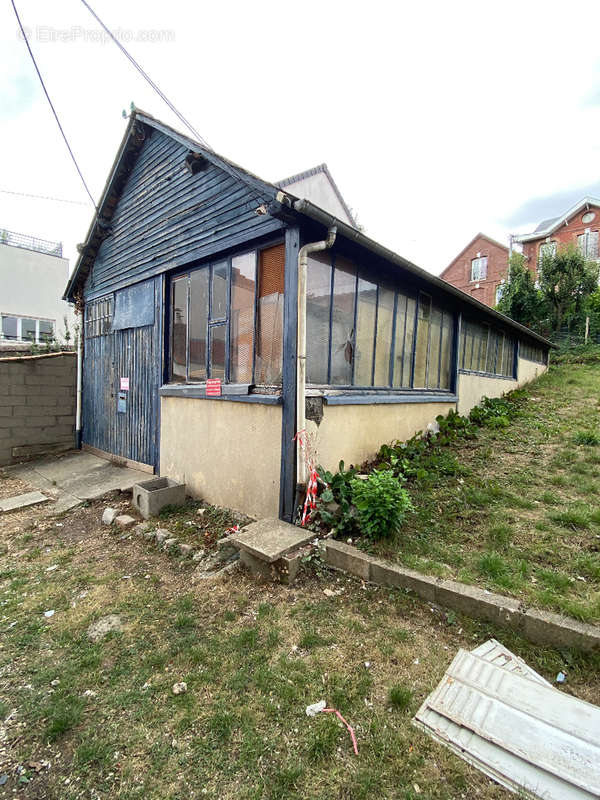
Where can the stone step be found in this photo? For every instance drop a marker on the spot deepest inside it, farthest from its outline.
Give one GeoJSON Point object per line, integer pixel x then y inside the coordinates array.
{"type": "Point", "coordinates": [270, 539]}
{"type": "Point", "coordinates": [22, 501]}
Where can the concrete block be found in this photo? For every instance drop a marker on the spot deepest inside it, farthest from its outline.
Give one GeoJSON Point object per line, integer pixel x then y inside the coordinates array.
{"type": "Point", "coordinates": [152, 495]}
{"type": "Point", "coordinates": [170, 544]}
{"type": "Point", "coordinates": [30, 450]}
{"type": "Point", "coordinates": [385, 574]}
{"type": "Point", "coordinates": [124, 521]}
{"type": "Point", "coordinates": [544, 627]}
{"type": "Point", "coordinates": [6, 411]}
{"type": "Point", "coordinates": [289, 567]}
{"type": "Point", "coordinates": [6, 422]}
{"type": "Point", "coordinates": [40, 400]}
{"type": "Point", "coordinates": [478, 603]}
{"type": "Point", "coordinates": [22, 501]}
{"type": "Point", "coordinates": [264, 570]}
{"type": "Point", "coordinates": [344, 556]}
{"type": "Point", "coordinates": [270, 539]}
{"type": "Point", "coordinates": [109, 516]}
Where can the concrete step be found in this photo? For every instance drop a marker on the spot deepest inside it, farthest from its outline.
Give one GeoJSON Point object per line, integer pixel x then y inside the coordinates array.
{"type": "Point", "coordinates": [270, 539]}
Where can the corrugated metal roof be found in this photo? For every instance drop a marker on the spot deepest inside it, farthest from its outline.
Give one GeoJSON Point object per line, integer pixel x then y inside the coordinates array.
{"type": "Point", "coordinates": [501, 716]}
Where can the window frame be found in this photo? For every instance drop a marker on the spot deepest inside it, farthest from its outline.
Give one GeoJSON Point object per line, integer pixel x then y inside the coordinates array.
{"type": "Point", "coordinates": [480, 261]}
{"type": "Point", "coordinates": [400, 292]}
{"type": "Point", "coordinates": [500, 337]}
{"type": "Point", "coordinates": [20, 318]}
{"type": "Point", "coordinates": [186, 272]}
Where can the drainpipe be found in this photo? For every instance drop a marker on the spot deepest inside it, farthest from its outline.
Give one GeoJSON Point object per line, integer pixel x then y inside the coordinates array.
{"type": "Point", "coordinates": [79, 371]}
{"type": "Point", "coordinates": [305, 250]}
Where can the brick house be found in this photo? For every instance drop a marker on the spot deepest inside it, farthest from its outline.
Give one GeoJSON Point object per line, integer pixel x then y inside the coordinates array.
{"type": "Point", "coordinates": [578, 226]}
{"type": "Point", "coordinates": [479, 269]}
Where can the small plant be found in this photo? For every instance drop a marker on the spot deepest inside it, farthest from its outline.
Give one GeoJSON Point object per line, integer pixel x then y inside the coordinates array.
{"type": "Point", "coordinates": [587, 438]}
{"type": "Point", "coordinates": [400, 697]}
{"type": "Point", "coordinates": [381, 503]}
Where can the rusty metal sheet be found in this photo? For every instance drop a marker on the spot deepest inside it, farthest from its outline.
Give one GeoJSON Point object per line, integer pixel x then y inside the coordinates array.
{"type": "Point", "coordinates": [502, 717]}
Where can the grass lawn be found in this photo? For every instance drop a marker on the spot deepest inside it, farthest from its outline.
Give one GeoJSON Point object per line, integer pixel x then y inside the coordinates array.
{"type": "Point", "coordinates": [519, 508]}
{"type": "Point", "coordinates": [80, 719]}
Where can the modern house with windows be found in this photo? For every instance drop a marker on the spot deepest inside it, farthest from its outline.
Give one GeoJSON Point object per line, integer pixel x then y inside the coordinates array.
{"type": "Point", "coordinates": [32, 280]}
{"type": "Point", "coordinates": [480, 269]}
{"type": "Point", "coordinates": [579, 226]}
{"type": "Point", "coordinates": [227, 317]}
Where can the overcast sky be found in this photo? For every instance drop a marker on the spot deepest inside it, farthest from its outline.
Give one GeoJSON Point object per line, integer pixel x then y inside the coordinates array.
{"type": "Point", "coordinates": [437, 120]}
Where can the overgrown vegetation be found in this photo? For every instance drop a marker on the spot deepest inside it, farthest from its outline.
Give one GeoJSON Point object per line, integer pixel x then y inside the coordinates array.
{"type": "Point", "coordinates": [507, 498]}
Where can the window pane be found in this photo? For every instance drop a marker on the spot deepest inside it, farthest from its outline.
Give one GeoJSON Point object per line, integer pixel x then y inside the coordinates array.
{"type": "Point", "coordinates": [385, 321]}
{"type": "Point", "coordinates": [342, 330]}
{"type": "Point", "coordinates": [492, 352]}
{"type": "Point", "coordinates": [218, 340]}
{"type": "Point", "coordinates": [28, 329]}
{"type": "Point", "coordinates": [241, 321]}
{"type": "Point", "coordinates": [422, 346]}
{"type": "Point", "coordinates": [198, 323]}
{"type": "Point", "coordinates": [269, 345]}
{"type": "Point", "coordinates": [365, 332]}
{"type": "Point", "coordinates": [46, 331]}
{"type": "Point", "coordinates": [219, 291]}
{"type": "Point", "coordinates": [409, 341]}
{"type": "Point", "coordinates": [9, 327]}
{"type": "Point", "coordinates": [318, 292]}
{"type": "Point", "coordinates": [401, 321]}
{"type": "Point", "coordinates": [483, 348]}
{"type": "Point", "coordinates": [435, 334]}
{"type": "Point", "coordinates": [179, 329]}
{"type": "Point", "coordinates": [446, 353]}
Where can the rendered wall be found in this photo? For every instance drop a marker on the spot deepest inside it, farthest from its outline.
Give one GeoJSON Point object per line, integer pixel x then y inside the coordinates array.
{"type": "Point", "coordinates": [473, 388]}
{"type": "Point", "coordinates": [227, 453]}
{"type": "Point", "coordinates": [354, 433]}
{"type": "Point", "coordinates": [37, 405]}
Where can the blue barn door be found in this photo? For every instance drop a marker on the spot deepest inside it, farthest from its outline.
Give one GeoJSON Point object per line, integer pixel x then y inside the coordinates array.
{"type": "Point", "coordinates": [122, 372]}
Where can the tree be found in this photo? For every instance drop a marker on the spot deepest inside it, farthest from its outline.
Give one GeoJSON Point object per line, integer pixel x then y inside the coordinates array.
{"type": "Point", "coordinates": [566, 282]}
{"type": "Point", "coordinates": [520, 299]}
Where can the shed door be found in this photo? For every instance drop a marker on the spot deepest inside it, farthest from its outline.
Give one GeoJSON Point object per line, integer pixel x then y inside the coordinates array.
{"type": "Point", "coordinates": [122, 372]}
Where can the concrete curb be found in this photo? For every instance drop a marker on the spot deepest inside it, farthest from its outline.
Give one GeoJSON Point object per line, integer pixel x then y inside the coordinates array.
{"type": "Point", "coordinates": [541, 627]}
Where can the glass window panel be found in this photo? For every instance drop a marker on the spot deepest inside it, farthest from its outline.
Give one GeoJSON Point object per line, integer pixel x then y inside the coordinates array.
{"type": "Point", "coordinates": [446, 351]}
{"type": "Point", "coordinates": [218, 343]}
{"type": "Point", "coordinates": [470, 346]}
{"type": "Point", "coordinates": [492, 352]}
{"type": "Point", "coordinates": [422, 344]}
{"type": "Point", "coordinates": [318, 293]}
{"type": "Point", "coordinates": [509, 347]}
{"type": "Point", "coordinates": [9, 327]}
{"type": "Point", "coordinates": [401, 321]}
{"type": "Point", "coordinates": [179, 317]}
{"type": "Point", "coordinates": [409, 341]}
{"type": "Point", "coordinates": [219, 291]}
{"type": "Point", "coordinates": [385, 324]}
{"type": "Point", "coordinates": [28, 329]}
{"type": "Point", "coordinates": [269, 344]}
{"type": "Point", "coordinates": [198, 323]}
{"type": "Point", "coordinates": [435, 335]}
{"type": "Point", "coordinates": [365, 332]}
{"type": "Point", "coordinates": [241, 321]}
{"type": "Point", "coordinates": [483, 348]}
{"type": "Point", "coordinates": [342, 328]}
{"type": "Point", "coordinates": [46, 331]}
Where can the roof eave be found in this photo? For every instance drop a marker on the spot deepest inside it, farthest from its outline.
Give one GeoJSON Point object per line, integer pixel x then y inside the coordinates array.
{"type": "Point", "coordinates": [532, 237]}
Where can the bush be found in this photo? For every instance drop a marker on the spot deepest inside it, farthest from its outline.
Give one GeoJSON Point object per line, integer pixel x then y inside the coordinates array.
{"type": "Point", "coordinates": [381, 503]}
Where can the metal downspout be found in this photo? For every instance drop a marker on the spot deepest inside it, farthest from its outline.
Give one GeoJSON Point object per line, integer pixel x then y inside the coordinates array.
{"type": "Point", "coordinates": [79, 385]}
{"type": "Point", "coordinates": [304, 252]}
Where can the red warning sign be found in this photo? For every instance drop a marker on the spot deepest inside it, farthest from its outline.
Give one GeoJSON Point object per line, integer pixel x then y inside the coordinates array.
{"type": "Point", "coordinates": [213, 387]}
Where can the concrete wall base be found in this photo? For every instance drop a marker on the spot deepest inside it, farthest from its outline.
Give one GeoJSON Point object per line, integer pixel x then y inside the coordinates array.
{"type": "Point", "coordinates": [541, 627]}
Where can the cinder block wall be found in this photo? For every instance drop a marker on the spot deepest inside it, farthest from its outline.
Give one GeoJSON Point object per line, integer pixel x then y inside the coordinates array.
{"type": "Point", "coordinates": [37, 405]}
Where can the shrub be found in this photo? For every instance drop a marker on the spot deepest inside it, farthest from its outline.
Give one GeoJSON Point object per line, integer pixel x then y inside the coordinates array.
{"type": "Point", "coordinates": [588, 438]}
{"type": "Point", "coordinates": [381, 503]}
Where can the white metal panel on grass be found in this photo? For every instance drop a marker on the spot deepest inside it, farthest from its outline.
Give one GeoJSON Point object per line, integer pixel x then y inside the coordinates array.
{"type": "Point", "coordinates": [496, 712]}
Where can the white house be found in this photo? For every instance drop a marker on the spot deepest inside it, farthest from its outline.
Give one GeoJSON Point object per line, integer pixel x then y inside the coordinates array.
{"type": "Point", "coordinates": [33, 274]}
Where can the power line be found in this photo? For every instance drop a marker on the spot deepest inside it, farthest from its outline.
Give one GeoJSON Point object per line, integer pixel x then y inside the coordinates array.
{"type": "Point", "coordinates": [25, 39]}
{"type": "Point", "coordinates": [43, 197]}
{"type": "Point", "coordinates": [146, 77]}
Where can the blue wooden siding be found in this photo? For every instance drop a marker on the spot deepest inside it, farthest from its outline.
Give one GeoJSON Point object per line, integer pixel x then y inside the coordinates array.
{"type": "Point", "coordinates": [167, 217]}
{"type": "Point", "coordinates": [134, 353]}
